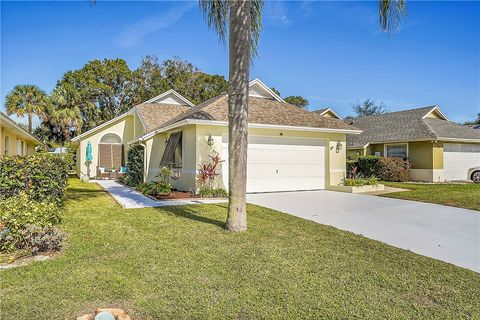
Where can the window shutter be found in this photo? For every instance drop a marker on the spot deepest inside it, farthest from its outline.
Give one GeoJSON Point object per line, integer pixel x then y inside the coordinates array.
{"type": "Point", "coordinates": [117, 155]}
{"type": "Point", "coordinates": [169, 152]}
{"type": "Point", "coordinates": [105, 156]}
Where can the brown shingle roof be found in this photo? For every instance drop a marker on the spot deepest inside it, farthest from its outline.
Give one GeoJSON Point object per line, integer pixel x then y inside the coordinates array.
{"type": "Point", "coordinates": [154, 115]}
{"type": "Point", "coordinates": [262, 111]}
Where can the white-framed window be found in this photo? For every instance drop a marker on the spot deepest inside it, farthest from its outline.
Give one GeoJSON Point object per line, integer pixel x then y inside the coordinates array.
{"type": "Point", "coordinates": [396, 150]}
{"type": "Point", "coordinates": [6, 145]}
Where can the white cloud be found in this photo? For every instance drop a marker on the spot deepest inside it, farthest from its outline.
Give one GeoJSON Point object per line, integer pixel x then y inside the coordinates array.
{"type": "Point", "coordinates": [276, 13]}
{"type": "Point", "coordinates": [134, 33]}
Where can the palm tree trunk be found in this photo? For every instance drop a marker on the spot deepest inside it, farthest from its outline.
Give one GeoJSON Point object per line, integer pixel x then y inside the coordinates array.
{"type": "Point", "coordinates": [239, 47]}
{"type": "Point", "coordinates": [30, 118]}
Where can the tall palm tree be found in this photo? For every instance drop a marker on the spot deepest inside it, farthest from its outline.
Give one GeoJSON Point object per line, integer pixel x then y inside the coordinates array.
{"type": "Point", "coordinates": [26, 99]}
{"type": "Point", "coordinates": [64, 112]}
{"type": "Point", "coordinates": [244, 20]}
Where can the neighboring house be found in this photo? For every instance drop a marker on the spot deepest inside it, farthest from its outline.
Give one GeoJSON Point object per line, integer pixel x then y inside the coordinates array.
{"type": "Point", "coordinates": [14, 140]}
{"type": "Point", "coordinates": [289, 148]}
{"type": "Point", "coordinates": [438, 149]}
{"type": "Point", "coordinates": [328, 112]}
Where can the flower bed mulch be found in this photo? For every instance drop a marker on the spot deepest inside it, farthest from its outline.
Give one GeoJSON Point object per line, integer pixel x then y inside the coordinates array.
{"type": "Point", "coordinates": [176, 195]}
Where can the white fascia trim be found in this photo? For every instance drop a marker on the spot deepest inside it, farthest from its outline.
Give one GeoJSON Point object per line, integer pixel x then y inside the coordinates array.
{"type": "Point", "coordinates": [436, 108]}
{"type": "Point", "coordinates": [266, 88]}
{"type": "Point", "coordinates": [250, 125]}
{"type": "Point", "coordinates": [175, 93]}
{"type": "Point", "coordinates": [7, 119]}
{"type": "Point", "coordinates": [141, 120]}
{"type": "Point", "coordinates": [459, 140]}
{"type": "Point", "coordinates": [360, 147]}
{"type": "Point", "coordinates": [103, 125]}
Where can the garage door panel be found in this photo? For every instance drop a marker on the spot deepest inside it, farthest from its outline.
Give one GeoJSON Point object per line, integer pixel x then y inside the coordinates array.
{"type": "Point", "coordinates": [282, 164]}
{"type": "Point", "coordinates": [458, 158]}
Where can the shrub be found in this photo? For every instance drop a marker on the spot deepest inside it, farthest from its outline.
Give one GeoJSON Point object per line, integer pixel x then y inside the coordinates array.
{"type": "Point", "coordinates": [160, 187]}
{"type": "Point", "coordinates": [368, 165]}
{"type": "Point", "coordinates": [38, 239]}
{"type": "Point", "coordinates": [360, 181]}
{"type": "Point", "coordinates": [134, 175]}
{"type": "Point", "coordinates": [207, 192]}
{"type": "Point", "coordinates": [207, 171]}
{"type": "Point", "coordinates": [42, 176]}
{"type": "Point", "coordinates": [352, 169]}
{"type": "Point", "coordinates": [393, 169]}
{"type": "Point", "coordinates": [17, 212]}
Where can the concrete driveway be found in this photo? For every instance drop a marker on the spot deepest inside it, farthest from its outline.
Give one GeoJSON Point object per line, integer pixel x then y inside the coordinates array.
{"type": "Point", "coordinates": [444, 233]}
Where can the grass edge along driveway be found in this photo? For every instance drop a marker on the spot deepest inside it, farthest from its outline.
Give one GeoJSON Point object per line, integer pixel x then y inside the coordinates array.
{"type": "Point", "coordinates": [465, 196]}
{"type": "Point", "coordinates": [179, 263]}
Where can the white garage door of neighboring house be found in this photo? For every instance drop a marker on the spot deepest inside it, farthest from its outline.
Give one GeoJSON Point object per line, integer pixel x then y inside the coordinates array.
{"type": "Point", "coordinates": [458, 158]}
{"type": "Point", "coordinates": [282, 164]}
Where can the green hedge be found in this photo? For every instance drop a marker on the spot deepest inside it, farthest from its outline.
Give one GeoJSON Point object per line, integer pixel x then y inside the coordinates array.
{"type": "Point", "coordinates": [386, 169]}
{"type": "Point", "coordinates": [42, 176]}
{"type": "Point", "coordinates": [19, 212]}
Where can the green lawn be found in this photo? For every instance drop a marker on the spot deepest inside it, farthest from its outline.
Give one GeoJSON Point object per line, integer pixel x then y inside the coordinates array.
{"type": "Point", "coordinates": [455, 195]}
{"type": "Point", "coordinates": [179, 263]}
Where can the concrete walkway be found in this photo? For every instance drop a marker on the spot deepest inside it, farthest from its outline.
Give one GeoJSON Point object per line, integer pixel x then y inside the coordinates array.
{"type": "Point", "coordinates": [445, 233]}
{"type": "Point", "coordinates": [131, 199]}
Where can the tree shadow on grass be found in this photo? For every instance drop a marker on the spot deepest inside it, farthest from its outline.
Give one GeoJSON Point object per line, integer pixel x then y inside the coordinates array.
{"type": "Point", "coordinates": [189, 212]}
{"type": "Point", "coordinates": [80, 194]}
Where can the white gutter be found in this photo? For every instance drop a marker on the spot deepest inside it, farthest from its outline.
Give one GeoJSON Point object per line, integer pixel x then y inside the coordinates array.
{"type": "Point", "coordinates": [250, 125]}
{"type": "Point", "coordinates": [459, 140]}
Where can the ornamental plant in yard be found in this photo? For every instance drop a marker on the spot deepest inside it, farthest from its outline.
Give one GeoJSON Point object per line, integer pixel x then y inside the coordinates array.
{"type": "Point", "coordinates": [134, 175]}
{"type": "Point", "coordinates": [207, 174]}
{"type": "Point", "coordinates": [41, 176]}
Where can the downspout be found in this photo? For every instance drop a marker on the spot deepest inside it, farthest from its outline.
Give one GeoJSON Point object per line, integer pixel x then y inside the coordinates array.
{"type": "Point", "coordinates": [145, 173]}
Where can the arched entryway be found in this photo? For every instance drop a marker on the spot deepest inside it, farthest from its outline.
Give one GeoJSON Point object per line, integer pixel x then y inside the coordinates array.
{"type": "Point", "coordinates": [110, 152]}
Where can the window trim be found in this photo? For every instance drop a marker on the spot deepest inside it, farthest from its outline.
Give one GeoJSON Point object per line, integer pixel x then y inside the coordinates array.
{"type": "Point", "coordinates": [385, 154]}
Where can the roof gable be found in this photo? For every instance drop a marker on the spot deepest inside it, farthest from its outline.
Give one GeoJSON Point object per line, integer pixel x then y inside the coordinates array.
{"type": "Point", "coordinates": [436, 113]}
{"type": "Point", "coordinates": [171, 97]}
{"type": "Point", "coordinates": [328, 112]}
{"type": "Point", "coordinates": [258, 89]}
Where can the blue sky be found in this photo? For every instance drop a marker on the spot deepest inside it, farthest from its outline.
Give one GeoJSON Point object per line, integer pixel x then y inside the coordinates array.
{"type": "Point", "coordinates": [332, 53]}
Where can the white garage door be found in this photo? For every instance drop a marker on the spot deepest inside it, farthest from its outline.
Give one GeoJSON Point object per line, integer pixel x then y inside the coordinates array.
{"type": "Point", "coordinates": [458, 158]}
{"type": "Point", "coordinates": [282, 164]}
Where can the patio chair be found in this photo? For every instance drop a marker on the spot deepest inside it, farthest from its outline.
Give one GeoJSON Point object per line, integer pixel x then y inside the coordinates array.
{"type": "Point", "coordinates": [102, 173]}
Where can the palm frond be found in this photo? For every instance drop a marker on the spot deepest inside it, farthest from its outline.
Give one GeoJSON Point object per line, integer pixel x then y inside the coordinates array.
{"type": "Point", "coordinates": [216, 13]}
{"type": "Point", "coordinates": [391, 13]}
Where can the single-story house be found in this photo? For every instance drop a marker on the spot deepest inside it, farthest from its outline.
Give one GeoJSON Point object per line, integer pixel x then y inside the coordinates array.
{"type": "Point", "coordinates": [14, 140]}
{"type": "Point", "coordinates": [438, 149]}
{"type": "Point", "coordinates": [289, 148]}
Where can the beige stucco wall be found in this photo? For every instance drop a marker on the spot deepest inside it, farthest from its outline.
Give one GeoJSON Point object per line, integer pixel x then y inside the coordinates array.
{"type": "Point", "coordinates": [124, 128]}
{"type": "Point", "coordinates": [14, 138]}
{"type": "Point", "coordinates": [196, 150]}
{"type": "Point", "coordinates": [155, 147]}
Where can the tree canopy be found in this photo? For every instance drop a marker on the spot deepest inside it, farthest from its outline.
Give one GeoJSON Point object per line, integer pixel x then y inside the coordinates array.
{"type": "Point", "coordinates": [298, 101]}
{"type": "Point", "coordinates": [369, 107]}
